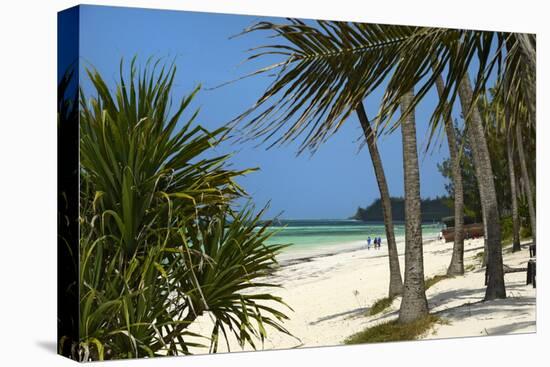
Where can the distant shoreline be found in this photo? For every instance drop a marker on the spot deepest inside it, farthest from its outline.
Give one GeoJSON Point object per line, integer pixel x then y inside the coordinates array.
{"type": "Point", "coordinates": [433, 209]}
{"type": "Point", "coordinates": [379, 222]}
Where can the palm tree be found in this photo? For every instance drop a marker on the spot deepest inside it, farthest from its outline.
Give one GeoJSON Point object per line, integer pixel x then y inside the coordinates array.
{"type": "Point", "coordinates": [520, 99]}
{"type": "Point", "coordinates": [302, 113]}
{"type": "Point", "coordinates": [487, 192]}
{"type": "Point", "coordinates": [526, 179]}
{"type": "Point", "coordinates": [331, 67]}
{"type": "Point", "coordinates": [456, 267]}
{"type": "Point", "coordinates": [396, 283]}
{"type": "Point", "coordinates": [500, 129]}
{"type": "Point", "coordinates": [414, 304]}
{"type": "Point", "coordinates": [513, 191]}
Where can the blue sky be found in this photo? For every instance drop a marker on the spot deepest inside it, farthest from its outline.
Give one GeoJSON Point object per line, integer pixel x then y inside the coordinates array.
{"type": "Point", "coordinates": [329, 184]}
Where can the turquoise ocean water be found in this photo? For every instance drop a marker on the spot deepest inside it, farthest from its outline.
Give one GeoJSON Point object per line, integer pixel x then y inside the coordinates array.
{"type": "Point", "coordinates": [314, 237]}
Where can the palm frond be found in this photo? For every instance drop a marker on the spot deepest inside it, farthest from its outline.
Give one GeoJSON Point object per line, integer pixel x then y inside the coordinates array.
{"type": "Point", "coordinates": [327, 68]}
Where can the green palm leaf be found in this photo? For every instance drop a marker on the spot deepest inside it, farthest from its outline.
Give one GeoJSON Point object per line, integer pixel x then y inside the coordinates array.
{"type": "Point", "coordinates": [328, 68]}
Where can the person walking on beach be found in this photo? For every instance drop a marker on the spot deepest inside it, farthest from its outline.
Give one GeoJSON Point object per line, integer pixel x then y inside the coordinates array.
{"type": "Point", "coordinates": [368, 243]}
{"type": "Point", "coordinates": [375, 242]}
{"type": "Point", "coordinates": [379, 242]}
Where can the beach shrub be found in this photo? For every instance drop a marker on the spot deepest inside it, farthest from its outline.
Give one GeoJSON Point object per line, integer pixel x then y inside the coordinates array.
{"type": "Point", "coordinates": [525, 232]}
{"type": "Point", "coordinates": [145, 164]}
{"type": "Point", "coordinates": [469, 267]}
{"type": "Point", "coordinates": [479, 256]}
{"type": "Point", "coordinates": [143, 307]}
{"type": "Point", "coordinates": [228, 284]}
{"type": "Point", "coordinates": [506, 229]}
{"type": "Point", "coordinates": [380, 305]}
{"type": "Point", "coordinates": [393, 331]}
{"type": "Point", "coordinates": [128, 305]}
{"type": "Point", "coordinates": [431, 281]}
{"type": "Point", "coordinates": [159, 242]}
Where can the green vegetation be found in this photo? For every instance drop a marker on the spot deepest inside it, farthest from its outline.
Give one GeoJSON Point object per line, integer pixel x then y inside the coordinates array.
{"type": "Point", "coordinates": [450, 221]}
{"type": "Point", "coordinates": [525, 232]}
{"type": "Point", "coordinates": [506, 226]}
{"type": "Point", "coordinates": [479, 256]}
{"type": "Point", "coordinates": [394, 331]}
{"type": "Point", "coordinates": [497, 145]}
{"type": "Point", "coordinates": [469, 267]}
{"type": "Point", "coordinates": [432, 209]}
{"type": "Point", "coordinates": [430, 282]}
{"type": "Point", "coordinates": [160, 244]}
{"type": "Point", "coordinates": [380, 305]}
{"type": "Point", "coordinates": [507, 230]}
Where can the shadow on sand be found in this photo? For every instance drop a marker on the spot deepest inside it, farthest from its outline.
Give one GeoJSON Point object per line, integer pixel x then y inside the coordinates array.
{"type": "Point", "coordinates": [352, 313]}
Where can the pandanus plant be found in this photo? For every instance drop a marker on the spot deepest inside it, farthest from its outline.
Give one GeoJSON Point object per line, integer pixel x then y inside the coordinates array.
{"type": "Point", "coordinates": [159, 242]}
{"type": "Point", "coordinates": [140, 157]}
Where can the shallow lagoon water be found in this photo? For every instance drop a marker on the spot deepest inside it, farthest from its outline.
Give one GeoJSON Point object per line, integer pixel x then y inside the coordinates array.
{"type": "Point", "coordinates": [315, 237]}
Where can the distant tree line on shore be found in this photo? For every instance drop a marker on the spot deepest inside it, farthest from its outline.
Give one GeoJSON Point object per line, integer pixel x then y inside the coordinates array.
{"type": "Point", "coordinates": [433, 209]}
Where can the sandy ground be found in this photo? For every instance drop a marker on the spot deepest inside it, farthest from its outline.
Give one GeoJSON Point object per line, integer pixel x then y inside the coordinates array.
{"type": "Point", "coordinates": [331, 296]}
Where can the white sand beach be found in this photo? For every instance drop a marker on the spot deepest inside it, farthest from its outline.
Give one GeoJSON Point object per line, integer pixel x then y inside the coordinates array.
{"type": "Point", "coordinates": [331, 296]}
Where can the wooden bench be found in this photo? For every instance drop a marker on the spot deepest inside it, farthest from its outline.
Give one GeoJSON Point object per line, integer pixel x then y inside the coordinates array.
{"type": "Point", "coordinates": [507, 270]}
{"type": "Point", "coordinates": [531, 268]}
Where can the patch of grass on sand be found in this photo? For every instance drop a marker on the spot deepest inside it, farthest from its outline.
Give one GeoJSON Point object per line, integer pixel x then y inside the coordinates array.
{"type": "Point", "coordinates": [380, 305]}
{"type": "Point", "coordinates": [435, 279]}
{"type": "Point", "coordinates": [469, 267]}
{"type": "Point", "coordinates": [393, 331]}
{"type": "Point", "coordinates": [479, 256]}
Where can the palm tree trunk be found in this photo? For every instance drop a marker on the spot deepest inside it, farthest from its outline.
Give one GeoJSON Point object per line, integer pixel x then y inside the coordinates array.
{"type": "Point", "coordinates": [456, 267]}
{"type": "Point", "coordinates": [414, 304]}
{"type": "Point", "coordinates": [396, 283]}
{"type": "Point", "coordinates": [515, 213]}
{"type": "Point", "coordinates": [484, 172]}
{"type": "Point", "coordinates": [485, 245]}
{"type": "Point", "coordinates": [528, 188]}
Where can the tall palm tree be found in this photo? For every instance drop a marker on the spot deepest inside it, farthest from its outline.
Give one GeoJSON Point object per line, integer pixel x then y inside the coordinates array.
{"type": "Point", "coordinates": [329, 67]}
{"type": "Point", "coordinates": [528, 185]}
{"type": "Point", "coordinates": [487, 192]}
{"type": "Point", "coordinates": [396, 283]}
{"type": "Point", "coordinates": [414, 304]}
{"type": "Point", "coordinates": [500, 128]}
{"type": "Point", "coordinates": [520, 99]}
{"type": "Point", "coordinates": [299, 113]}
{"type": "Point", "coordinates": [456, 266]}
{"type": "Point", "coordinates": [513, 191]}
